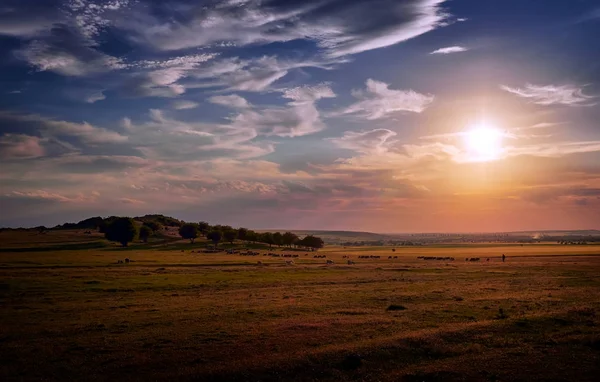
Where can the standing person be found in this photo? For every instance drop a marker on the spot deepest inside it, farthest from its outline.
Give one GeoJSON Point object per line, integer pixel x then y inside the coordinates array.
{"type": "Point", "coordinates": [503, 257]}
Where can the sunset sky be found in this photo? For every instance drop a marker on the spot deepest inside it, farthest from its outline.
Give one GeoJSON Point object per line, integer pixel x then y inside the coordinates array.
{"type": "Point", "coordinates": [373, 115]}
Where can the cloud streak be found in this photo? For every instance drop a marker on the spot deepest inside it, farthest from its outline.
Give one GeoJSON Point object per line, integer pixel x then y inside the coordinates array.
{"type": "Point", "coordinates": [450, 49]}
{"type": "Point", "coordinates": [547, 95]}
{"type": "Point", "coordinates": [378, 101]}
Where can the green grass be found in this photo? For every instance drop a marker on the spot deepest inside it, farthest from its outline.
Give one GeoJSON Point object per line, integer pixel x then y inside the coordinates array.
{"type": "Point", "coordinates": [173, 315]}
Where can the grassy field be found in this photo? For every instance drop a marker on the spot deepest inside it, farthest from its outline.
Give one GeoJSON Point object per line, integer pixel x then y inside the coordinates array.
{"type": "Point", "coordinates": [69, 311]}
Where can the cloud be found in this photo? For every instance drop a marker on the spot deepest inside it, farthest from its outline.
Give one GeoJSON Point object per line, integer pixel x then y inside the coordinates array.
{"type": "Point", "coordinates": [379, 101]}
{"type": "Point", "coordinates": [557, 149]}
{"type": "Point", "coordinates": [90, 16]}
{"type": "Point", "coordinates": [168, 139]}
{"type": "Point", "coordinates": [65, 52]}
{"type": "Point", "coordinates": [50, 196]}
{"type": "Point", "coordinates": [27, 18]}
{"type": "Point", "coordinates": [253, 75]}
{"type": "Point", "coordinates": [340, 28]}
{"type": "Point", "coordinates": [299, 118]}
{"type": "Point", "coordinates": [569, 95]}
{"type": "Point", "coordinates": [372, 141]}
{"type": "Point", "coordinates": [184, 105]}
{"type": "Point", "coordinates": [579, 194]}
{"type": "Point", "coordinates": [130, 201]}
{"type": "Point", "coordinates": [233, 101]}
{"type": "Point", "coordinates": [94, 97]}
{"type": "Point", "coordinates": [162, 79]}
{"type": "Point", "coordinates": [450, 49]}
{"type": "Point", "coordinates": [84, 132]}
{"type": "Point", "coordinates": [20, 146]}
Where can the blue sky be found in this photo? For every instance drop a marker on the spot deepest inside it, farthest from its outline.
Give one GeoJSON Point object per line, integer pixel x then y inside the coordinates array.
{"type": "Point", "coordinates": [323, 114]}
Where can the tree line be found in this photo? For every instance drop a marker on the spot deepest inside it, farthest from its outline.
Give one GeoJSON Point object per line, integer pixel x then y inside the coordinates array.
{"type": "Point", "coordinates": [124, 230]}
{"type": "Point", "coordinates": [219, 233]}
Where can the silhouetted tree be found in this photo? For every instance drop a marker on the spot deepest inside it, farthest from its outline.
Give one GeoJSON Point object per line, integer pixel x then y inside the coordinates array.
{"type": "Point", "coordinates": [289, 238]}
{"type": "Point", "coordinates": [121, 230]}
{"type": "Point", "coordinates": [311, 241]}
{"type": "Point", "coordinates": [278, 239]}
{"type": "Point", "coordinates": [230, 235]}
{"type": "Point", "coordinates": [189, 231]}
{"type": "Point", "coordinates": [242, 233]}
{"type": "Point", "coordinates": [267, 238]}
{"type": "Point", "coordinates": [204, 227]}
{"type": "Point", "coordinates": [251, 236]}
{"type": "Point", "coordinates": [145, 233]}
{"type": "Point", "coordinates": [214, 236]}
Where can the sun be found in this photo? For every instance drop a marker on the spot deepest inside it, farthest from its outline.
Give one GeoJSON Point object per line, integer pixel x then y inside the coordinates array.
{"type": "Point", "coordinates": [483, 142]}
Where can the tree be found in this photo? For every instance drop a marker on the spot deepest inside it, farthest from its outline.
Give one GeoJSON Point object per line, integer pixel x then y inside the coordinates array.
{"type": "Point", "coordinates": [145, 233]}
{"type": "Point", "coordinates": [289, 238]}
{"type": "Point", "coordinates": [251, 236]}
{"type": "Point", "coordinates": [121, 230]}
{"type": "Point", "coordinates": [230, 235]}
{"type": "Point", "coordinates": [242, 233]}
{"type": "Point", "coordinates": [278, 239]}
{"type": "Point", "coordinates": [214, 236]}
{"type": "Point", "coordinates": [311, 241]}
{"type": "Point", "coordinates": [189, 231]}
{"type": "Point", "coordinates": [204, 227]}
{"type": "Point", "coordinates": [267, 238]}
{"type": "Point", "coordinates": [154, 226]}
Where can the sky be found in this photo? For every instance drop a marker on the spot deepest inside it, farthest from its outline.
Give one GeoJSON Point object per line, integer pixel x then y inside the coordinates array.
{"type": "Point", "coordinates": [373, 115]}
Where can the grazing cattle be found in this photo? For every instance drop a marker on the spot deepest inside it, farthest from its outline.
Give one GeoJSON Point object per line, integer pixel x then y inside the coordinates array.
{"type": "Point", "coordinates": [119, 261]}
{"type": "Point", "coordinates": [259, 263]}
{"type": "Point", "coordinates": [330, 262]}
{"type": "Point", "coordinates": [127, 260]}
{"type": "Point", "coordinates": [289, 262]}
{"type": "Point", "coordinates": [395, 257]}
{"type": "Point", "coordinates": [350, 262]}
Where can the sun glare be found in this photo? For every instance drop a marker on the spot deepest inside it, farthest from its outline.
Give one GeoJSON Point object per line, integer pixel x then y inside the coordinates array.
{"type": "Point", "coordinates": [484, 143]}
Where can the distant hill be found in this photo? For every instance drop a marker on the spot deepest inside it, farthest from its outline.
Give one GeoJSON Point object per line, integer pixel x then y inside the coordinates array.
{"type": "Point", "coordinates": [97, 221]}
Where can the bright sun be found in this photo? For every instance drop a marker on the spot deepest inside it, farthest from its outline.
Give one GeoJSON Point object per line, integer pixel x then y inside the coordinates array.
{"type": "Point", "coordinates": [484, 143]}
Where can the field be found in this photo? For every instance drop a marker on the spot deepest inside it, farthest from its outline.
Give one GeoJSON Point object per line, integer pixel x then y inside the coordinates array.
{"type": "Point", "coordinates": [69, 311]}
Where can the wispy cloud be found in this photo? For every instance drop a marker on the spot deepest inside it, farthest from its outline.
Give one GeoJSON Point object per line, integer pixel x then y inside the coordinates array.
{"type": "Point", "coordinates": [20, 146]}
{"type": "Point", "coordinates": [84, 132]}
{"type": "Point", "coordinates": [95, 97]}
{"type": "Point", "coordinates": [450, 49]}
{"type": "Point", "coordinates": [355, 27]}
{"type": "Point", "coordinates": [379, 101]}
{"type": "Point", "coordinates": [300, 116]}
{"type": "Point", "coordinates": [184, 105]}
{"type": "Point", "coordinates": [372, 141]}
{"type": "Point", "coordinates": [232, 100]}
{"type": "Point", "coordinates": [569, 95]}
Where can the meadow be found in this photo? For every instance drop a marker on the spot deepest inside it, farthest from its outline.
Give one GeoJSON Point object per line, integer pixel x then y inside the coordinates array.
{"type": "Point", "coordinates": [69, 311]}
